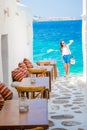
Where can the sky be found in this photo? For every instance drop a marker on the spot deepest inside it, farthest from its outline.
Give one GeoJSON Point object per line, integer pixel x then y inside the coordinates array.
{"type": "Point", "coordinates": [54, 8]}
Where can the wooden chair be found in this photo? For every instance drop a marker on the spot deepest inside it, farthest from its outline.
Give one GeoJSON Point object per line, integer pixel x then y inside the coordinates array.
{"type": "Point", "coordinates": [40, 72]}
{"type": "Point", "coordinates": [43, 63]}
{"type": "Point", "coordinates": [33, 92]}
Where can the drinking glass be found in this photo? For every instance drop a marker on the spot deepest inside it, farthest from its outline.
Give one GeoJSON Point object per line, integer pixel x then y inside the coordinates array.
{"type": "Point", "coordinates": [23, 104]}
{"type": "Point", "coordinates": [32, 78]}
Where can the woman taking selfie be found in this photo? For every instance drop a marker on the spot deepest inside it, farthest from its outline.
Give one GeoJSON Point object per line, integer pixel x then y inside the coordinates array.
{"type": "Point", "coordinates": [66, 54]}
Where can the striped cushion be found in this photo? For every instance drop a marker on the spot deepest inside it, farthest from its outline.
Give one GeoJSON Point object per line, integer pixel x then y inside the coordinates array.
{"type": "Point", "coordinates": [24, 68]}
{"type": "Point", "coordinates": [18, 74]}
{"type": "Point", "coordinates": [22, 65]}
{"type": "Point", "coordinates": [1, 101]}
{"type": "Point", "coordinates": [28, 63]}
{"type": "Point", "coordinates": [5, 91]}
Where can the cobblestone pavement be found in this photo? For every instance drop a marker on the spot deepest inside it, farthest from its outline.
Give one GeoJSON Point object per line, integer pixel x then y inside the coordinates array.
{"type": "Point", "coordinates": [67, 106]}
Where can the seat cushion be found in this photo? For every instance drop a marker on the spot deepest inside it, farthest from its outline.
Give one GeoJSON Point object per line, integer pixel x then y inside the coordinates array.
{"type": "Point", "coordinates": [22, 65]}
{"type": "Point", "coordinates": [24, 68]}
{"type": "Point", "coordinates": [1, 101]}
{"type": "Point", "coordinates": [18, 74]}
{"type": "Point", "coordinates": [28, 63]}
{"type": "Point", "coordinates": [6, 93]}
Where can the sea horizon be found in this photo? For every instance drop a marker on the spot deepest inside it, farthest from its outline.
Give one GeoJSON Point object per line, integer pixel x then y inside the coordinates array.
{"type": "Point", "coordinates": [46, 45]}
{"type": "Point", "coordinates": [43, 19]}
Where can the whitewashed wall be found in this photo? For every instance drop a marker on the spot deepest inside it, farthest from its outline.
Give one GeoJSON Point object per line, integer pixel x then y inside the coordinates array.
{"type": "Point", "coordinates": [16, 22]}
{"type": "Point", "coordinates": [84, 38]}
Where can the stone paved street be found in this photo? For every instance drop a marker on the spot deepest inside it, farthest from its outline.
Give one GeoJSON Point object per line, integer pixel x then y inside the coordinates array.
{"type": "Point", "coordinates": [67, 105]}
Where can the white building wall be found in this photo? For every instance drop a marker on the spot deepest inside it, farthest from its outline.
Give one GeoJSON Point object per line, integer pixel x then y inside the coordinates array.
{"type": "Point", "coordinates": [17, 24]}
{"type": "Point", "coordinates": [1, 76]}
{"type": "Point", "coordinates": [84, 38]}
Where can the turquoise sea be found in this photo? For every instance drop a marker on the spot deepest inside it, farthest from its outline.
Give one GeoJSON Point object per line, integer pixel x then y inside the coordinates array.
{"type": "Point", "coordinates": [46, 43]}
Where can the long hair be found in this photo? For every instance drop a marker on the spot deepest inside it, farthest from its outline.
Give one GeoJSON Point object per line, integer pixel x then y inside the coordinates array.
{"type": "Point", "coordinates": [61, 46]}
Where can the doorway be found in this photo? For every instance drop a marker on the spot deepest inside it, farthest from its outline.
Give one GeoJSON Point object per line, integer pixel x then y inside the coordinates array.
{"type": "Point", "coordinates": [4, 56]}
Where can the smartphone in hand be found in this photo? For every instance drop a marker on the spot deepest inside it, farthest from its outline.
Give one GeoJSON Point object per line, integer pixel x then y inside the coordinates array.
{"type": "Point", "coordinates": [71, 41]}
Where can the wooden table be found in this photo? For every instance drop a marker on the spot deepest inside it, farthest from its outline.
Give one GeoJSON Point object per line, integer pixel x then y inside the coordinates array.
{"type": "Point", "coordinates": [53, 63]}
{"type": "Point", "coordinates": [40, 81]}
{"type": "Point", "coordinates": [49, 72]}
{"type": "Point", "coordinates": [37, 115]}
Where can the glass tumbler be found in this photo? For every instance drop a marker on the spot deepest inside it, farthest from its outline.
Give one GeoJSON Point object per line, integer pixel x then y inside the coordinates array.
{"type": "Point", "coordinates": [23, 104]}
{"type": "Point", "coordinates": [33, 78]}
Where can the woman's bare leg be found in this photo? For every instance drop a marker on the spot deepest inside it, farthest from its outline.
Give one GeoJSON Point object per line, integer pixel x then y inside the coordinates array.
{"type": "Point", "coordinates": [66, 67]}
